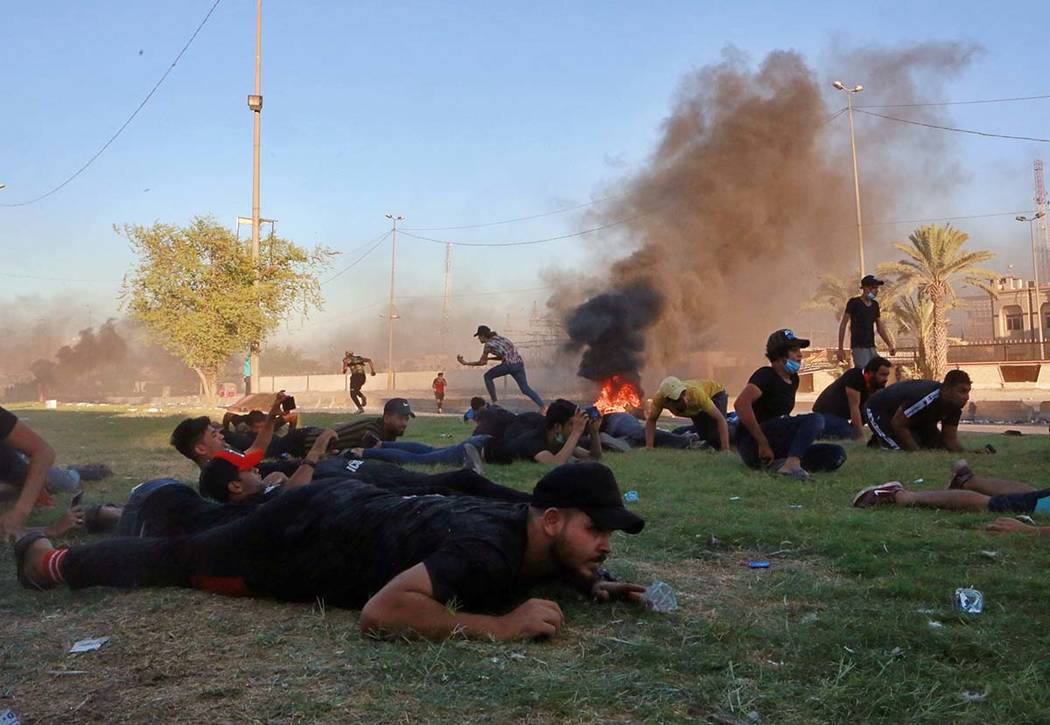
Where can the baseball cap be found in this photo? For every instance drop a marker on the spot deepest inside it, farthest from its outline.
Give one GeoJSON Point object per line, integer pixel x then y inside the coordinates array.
{"type": "Point", "coordinates": [591, 488]}
{"type": "Point", "coordinates": [671, 388]}
{"type": "Point", "coordinates": [871, 281]}
{"type": "Point", "coordinates": [398, 406]}
{"type": "Point", "coordinates": [784, 340]}
{"type": "Point", "coordinates": [483, 330]}
{"type": "Point", "coordinates": [225, 467]}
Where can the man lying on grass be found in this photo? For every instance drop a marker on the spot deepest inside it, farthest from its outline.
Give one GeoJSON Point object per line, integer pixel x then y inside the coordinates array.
{"type": "Point", "coordinates": [967, 492]}
{"type": "Point", "coordinates": [429, 565]}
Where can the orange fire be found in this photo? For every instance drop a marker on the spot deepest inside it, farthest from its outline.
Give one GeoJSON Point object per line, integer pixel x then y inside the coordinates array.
{"type": "Point", "coordinates": [617, 395]}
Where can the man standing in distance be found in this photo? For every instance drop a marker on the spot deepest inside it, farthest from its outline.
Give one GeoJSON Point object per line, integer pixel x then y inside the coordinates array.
{"type": "Point", "coordinates": [439, 389]}
{"type": "Point", "coordinates": [864, 318]}
{"type": "Point", "coordinates": [497, 347]}
{"type": "Point", "coordinates": [355, 364]}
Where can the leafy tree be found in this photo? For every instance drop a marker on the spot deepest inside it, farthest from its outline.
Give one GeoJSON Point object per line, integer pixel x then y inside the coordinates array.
{"type": "Point", "coordinates": [194, 289]}
{"type": "Point", "coordinates": [913, 315]}
{"type": "Point", "coordinates": [934, 259]}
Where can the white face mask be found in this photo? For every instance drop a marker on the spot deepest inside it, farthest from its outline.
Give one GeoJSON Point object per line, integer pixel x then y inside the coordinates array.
{"type": "Point", "coordinates": [870, 295]}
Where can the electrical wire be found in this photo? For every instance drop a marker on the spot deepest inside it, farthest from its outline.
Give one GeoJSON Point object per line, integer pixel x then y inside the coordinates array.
{"type": "Point", "coordinates": [126, 123]}
{"type": "Point", "coordinates": [956, 130]}
{"type": "Point", "coordinates": [528, 241]}
{"type": "Point", "coordinates": [516, 219]}
{"type": "Point", "coordinates": [956, 103]}
{"type": "Point", "coordinates": [360, 258]}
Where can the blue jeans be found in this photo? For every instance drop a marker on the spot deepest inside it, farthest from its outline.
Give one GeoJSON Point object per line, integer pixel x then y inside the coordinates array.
{"type": "Point", "coordinates": [516, 371]}
{"type": "Point", "coordinates": [626, 426]}
{"type": "Point", "coordinates": [836, 428]}
{"type": "Point", "coordinates": [793, 436]}
{"type": "Point", "coordinates": [402, 452]}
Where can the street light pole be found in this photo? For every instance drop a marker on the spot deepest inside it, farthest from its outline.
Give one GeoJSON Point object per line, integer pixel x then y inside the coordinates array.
{"type": "Point", "coordinates": [391, 376]}
{"type": "Point", "coordinates": [856, 176]}
{"type": "Point", "coordinates": [1036, 307]}
{"type": "Point", "coordinates": [255, 103]}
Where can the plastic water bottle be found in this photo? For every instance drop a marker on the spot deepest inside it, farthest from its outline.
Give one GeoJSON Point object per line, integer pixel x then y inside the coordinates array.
{"type": "Point", "coordinates": [969, 601]}
{"type": "Point", "coordinates": [659, 597]}
{"type": "Point", "coordinates": [630, 496]}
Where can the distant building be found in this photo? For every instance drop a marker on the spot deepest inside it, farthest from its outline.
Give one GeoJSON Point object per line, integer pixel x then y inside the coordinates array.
{"type": "Point", "coordinates": [1009, 316]}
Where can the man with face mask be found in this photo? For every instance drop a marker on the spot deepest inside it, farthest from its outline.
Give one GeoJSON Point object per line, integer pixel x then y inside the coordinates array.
{"type": "Point", "coordinates": [863, 315]}
{"type": "Point", "coordinates": [404, 560]}
{"type": "Point", "coordinates": [842, 402]}
{"type": "Point", "coordinates": [769, 436]}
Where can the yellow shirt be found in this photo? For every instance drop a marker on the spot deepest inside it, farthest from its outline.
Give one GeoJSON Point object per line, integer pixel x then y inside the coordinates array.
{"type": "Point", "coordinates": [696, 399]}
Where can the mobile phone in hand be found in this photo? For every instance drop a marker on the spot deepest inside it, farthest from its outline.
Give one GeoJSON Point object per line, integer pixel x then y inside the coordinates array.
{"type": "Point", "coordinates": [288, 404]}
{"type": "Point", "coordinates": [75, 501]}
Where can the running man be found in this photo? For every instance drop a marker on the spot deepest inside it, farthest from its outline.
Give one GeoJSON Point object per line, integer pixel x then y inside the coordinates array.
{"type": "Point", "coordinates": [497, 347]}
{"type": "Point", "coordinates": [355, 364]}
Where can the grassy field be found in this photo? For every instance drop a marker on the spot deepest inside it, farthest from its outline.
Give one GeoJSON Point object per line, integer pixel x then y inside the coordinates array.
{"type": "Point", "coordinates": [851, 623]}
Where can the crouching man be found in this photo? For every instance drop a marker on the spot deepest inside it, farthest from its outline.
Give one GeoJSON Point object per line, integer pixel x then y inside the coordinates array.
{"type": "Point", "coordinates": [432, 566]}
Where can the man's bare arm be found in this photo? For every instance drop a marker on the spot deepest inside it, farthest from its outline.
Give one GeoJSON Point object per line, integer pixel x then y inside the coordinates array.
{"type": "Point", "coordinates": [842, 335]}
{"type": "Point", "coordinates": [855, 419]}
{"type": "Point", "coordinates": [262, 440]}
{"type": "Point", "coordinates": [950, 436]}
{"type": "Point", "coordinates": [885, 336]}
{"type": "Point", "coordinates": [901, 432]}
{"type": "Point", "coordinates": [746, 413]}
{"type": "Point", "coordinates": [406, 605]}
{"type": "Point", "coordinates": [41, 458]}
{"type": "Point", "coordinates": [304, 474]}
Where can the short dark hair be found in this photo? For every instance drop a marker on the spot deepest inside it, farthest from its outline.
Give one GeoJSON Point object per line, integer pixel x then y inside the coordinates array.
{"type": "Point", "coordinates": [188, 433]}
{"type": "Point", "coordinates": [775, 353]}
{"type": "Point", "coordinates": [875, 363]}
{"type": "Point", "coordinates": [955, 378]}
{"type": "Point", "coordinates": [560, 411]}
{"type": "Point", "coordinates": [255, 416]}
{"type": "Point", "coordinates": [477, 403]}
{"type": "Point", "coordinates": [215, 479]}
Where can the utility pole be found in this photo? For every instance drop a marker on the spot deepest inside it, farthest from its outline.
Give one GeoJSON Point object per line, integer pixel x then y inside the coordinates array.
{"type": "Point", "coordinates": [255, 104]}
{"type": "Point", "coordinates": [391, 376]}
{"type": "Point", "coordinates": [850, 92]}
{"type": "Point", "coordinates": [1035, 307]}
{"type": "Point", "coordinates": [444, 302]}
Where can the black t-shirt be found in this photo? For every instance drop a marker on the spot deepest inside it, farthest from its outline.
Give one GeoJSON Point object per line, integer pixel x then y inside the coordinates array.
{"type": "Point", "coordinates": [778, 396]}
{"type": "Point", "coordinates": [862, 322]}
{"type": "Point", "coordinates": [494, 420]}
{"type": "Point", "coordinates": [921, 402]}
{"type": "Point", "coordinates": [522, 439]}
{"type": "Point", "coordinates": [343, 543]}
{"type": "Point", "coordinates": [7, 423]}
{"type": "Point", "coordinates": [833, 400]}
{"type": "Point", "coordinates": [178, 510]}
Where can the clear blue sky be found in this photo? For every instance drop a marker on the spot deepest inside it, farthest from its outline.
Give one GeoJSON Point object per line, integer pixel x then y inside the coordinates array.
{"type": "Point", "coordinates": [447, 112]}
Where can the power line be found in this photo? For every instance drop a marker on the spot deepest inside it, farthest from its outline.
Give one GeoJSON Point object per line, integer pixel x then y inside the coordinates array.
{"type": "Point", "coordinates": [528, 241]}
{"type": "Point", "coordinates": [948, 218]}
{"type": "Point", "coordinates": [956, 130]}
{"type": "Point", "coordinates": [359, 259]}
{"type": "Point", "coordinates": [516, 219]}
{"type": "Point", "coordinates": [130, 118]}
{"type": "Point", "coordinates": [956, 103]}
{"type": "Point", "coordinates": [59, 279]}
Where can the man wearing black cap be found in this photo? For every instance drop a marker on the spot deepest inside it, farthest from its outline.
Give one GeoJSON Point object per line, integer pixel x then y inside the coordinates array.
{"type": "Point", "coordinates": [864, 317]}
{"type": "Point", "coordinates": [769, 436]}
{"type": "Point", "coordinates": [497, 347]}
{"type": "Point", "coordinates": [432, 566]}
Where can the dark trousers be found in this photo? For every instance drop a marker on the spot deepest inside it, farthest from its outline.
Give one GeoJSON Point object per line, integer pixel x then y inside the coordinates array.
{"type": "Point", "coordinates": [706, 426]}
{"type": "Point", "coordinates": [836, 427]}
{"type": "Point", "coordinates": [260, 554]}
{"type": "Point", "coordinates": [357, 380]}
{"type": "Point", "coordinates": [793, 435]}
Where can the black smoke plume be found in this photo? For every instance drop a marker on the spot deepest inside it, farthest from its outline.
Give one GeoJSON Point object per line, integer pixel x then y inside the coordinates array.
{"type": "Point", "coordinates": [610, 329]}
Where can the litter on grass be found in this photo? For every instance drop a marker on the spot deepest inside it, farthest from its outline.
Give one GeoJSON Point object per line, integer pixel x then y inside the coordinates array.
{"type": "Point", "coordinates": [88, 645]}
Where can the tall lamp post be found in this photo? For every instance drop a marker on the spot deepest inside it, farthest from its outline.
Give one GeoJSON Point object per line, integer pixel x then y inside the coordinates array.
{"type": "Point", "coordinates": [391, 376]}
{"type": "Point", "coordinates": [1036, 307]}
{"type": "Point", "coordinates": [255, 104]}
{"type": "Point", "coordinates": [850, 92]}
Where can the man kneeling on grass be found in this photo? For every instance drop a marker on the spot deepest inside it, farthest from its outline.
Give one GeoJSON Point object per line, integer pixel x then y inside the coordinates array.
{"type": "Point", "coordinates": [429, 565]}
{"type": "Point", "coordinates": [906, 415]}
{"type": "Point", "coordinates": [968, 492]}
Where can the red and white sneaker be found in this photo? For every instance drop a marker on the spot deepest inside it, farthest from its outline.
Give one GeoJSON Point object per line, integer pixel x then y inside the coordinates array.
{"type": "Point", "coordinates": [875, 495]}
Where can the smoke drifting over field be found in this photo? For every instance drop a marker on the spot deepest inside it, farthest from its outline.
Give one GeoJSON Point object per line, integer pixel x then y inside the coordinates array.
{"type": "Point", "coordinates": [748, 196]}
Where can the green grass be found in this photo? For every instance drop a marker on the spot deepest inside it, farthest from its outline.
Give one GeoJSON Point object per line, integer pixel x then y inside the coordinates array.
{"type": "Point", "coordinates": [837, 630]}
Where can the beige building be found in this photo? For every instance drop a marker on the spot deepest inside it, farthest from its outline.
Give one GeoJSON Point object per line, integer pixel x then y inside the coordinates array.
{"type": "Point", "coordinates": [1012, 315]}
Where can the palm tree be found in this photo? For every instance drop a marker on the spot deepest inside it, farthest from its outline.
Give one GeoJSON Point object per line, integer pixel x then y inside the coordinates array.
{"type": "Point", "coordinates": [832, 294]}
{"type": "Point", "coordinates": [934, 259]}
{"type": "Point", "coordinates": [913, 316]}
